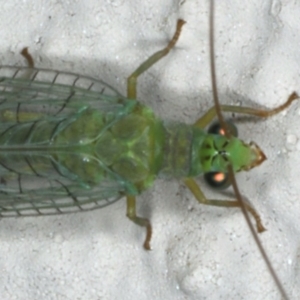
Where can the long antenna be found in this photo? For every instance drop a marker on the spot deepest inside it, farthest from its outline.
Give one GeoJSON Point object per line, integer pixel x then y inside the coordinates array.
{"type": "Point", "coordinates": [230, 169]}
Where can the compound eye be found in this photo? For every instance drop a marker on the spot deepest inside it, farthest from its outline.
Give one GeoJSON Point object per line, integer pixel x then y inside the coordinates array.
{"type": "Point", "coordinates": [216, 128]}
{"type": "Point", "coordinates": [217, 180]}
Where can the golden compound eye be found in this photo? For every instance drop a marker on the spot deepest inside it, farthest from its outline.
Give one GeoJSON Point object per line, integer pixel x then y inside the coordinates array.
{"type": "Point", "coordinates": [216, 128]}
{"type": "Point", "coordinates": [217, 180]}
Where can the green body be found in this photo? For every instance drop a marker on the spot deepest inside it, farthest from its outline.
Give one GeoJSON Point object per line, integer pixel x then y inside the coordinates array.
{"type": "Point", "coordinates": [63, 146]}
{"type": "Point", "coordinates": [132, 146]}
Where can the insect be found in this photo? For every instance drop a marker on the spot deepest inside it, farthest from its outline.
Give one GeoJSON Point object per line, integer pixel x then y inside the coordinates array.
{"type": "Point", "coordinates": [18, 116]}
{"type": "Point", "coordinates": [85, 155]}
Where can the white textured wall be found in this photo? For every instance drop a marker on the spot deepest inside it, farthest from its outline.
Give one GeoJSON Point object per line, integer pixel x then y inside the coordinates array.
{"type": "Point", "coordinates": [198, 252]}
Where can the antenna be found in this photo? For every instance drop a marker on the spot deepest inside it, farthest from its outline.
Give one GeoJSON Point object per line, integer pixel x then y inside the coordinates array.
{"type": "Point", "coordinates": [230, 169]}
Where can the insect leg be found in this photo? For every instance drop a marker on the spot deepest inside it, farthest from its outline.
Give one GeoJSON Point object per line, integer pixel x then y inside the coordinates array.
{"type": "Point", "coordinates": [131, 214]}
{"type": "Point", "coordinates": [11, 116]}
{"type": "Point", "coordinates": [196, 191]}
{"type": "Point", "coordinates": [132, 79]}
{"type": "Point", "coordinates": [211, 113]}
{"type": "Point", "coordinates": [131, 93]}
{"type": "Point", "coordinates": [28, 57]}
{"type": "Point", "coordinates": [30, 63]}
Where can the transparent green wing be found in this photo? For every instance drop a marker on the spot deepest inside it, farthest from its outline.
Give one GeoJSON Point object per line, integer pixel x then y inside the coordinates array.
{"type": "Point", "coordinates": [55, 199]}
{"type": "Point", "coordinates": [37, 184]}
{"type": "Point", "coordinates": [54, 92]}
